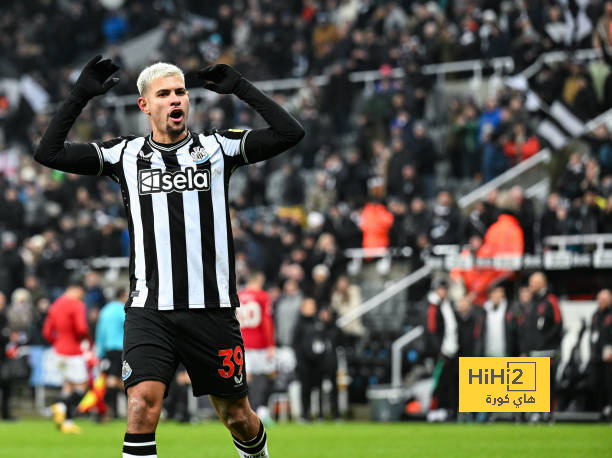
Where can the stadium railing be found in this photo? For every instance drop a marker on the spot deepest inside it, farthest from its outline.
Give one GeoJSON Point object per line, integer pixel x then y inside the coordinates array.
{"type": "Point", "coordinates": [384, 295]}
{"type": "Point", "coordinates": [561, 242]}
{"type": "Point", "coordinates": [510, 175]}
{"type": "Point", "coordinates": [475, 66]}
{"type": "Point", "coordinates": [396, 353]}
{"type": "Point", "coordinates": [514, 174]}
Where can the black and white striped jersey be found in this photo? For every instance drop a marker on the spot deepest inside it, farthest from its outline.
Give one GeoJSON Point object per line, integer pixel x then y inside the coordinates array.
{"type": "Point", "coordinates": [175, 197]}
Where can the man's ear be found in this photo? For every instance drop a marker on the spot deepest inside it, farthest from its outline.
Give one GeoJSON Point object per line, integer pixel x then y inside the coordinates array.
{"type": "Point", "coordinates": [142, 104]}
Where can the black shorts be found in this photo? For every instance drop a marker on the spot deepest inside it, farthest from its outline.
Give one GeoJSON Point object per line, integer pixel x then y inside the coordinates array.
{"type": "Point", "coordinates": [207, 342]}
{"type": "Point", "coordinates": [114, 358]}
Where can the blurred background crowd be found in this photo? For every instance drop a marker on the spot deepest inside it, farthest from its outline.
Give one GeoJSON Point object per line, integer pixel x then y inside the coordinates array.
{"type": "Point", "coordinates": [382, 165]}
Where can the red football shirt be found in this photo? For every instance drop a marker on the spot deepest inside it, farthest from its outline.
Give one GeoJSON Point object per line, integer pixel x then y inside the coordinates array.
{"type": "Point", "coordinates": [255, 316]}
{"type": "Point", "coordinates": [66, 326]}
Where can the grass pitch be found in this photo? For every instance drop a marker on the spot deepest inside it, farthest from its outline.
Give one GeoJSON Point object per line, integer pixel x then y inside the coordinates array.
{"type": "Point", "coordinates": [39, 438]}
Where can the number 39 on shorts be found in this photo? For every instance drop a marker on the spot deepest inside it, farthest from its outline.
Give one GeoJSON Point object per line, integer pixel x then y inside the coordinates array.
{"type": "Point", "coordinates": [231, 359]}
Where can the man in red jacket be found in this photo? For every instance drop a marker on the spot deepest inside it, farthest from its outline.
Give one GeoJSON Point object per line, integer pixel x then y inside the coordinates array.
{"type": "Point", "coordinates": [65, 328]}
{"type": "Point", "coordinates": [257, 326]}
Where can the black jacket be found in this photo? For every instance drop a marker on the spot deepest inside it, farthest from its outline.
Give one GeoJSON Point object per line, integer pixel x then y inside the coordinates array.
{"type": "Point", "coordinates": [601, 333]}
{"type": "Point", "coordinates": [315, 344]}
{"type": "Point", "coordinates": [470, 329]}
{"type": "Point", "coordinates": [542, 328]}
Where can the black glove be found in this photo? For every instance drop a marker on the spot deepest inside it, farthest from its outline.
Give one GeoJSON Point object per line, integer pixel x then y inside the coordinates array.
{"type": "Point", "coordinates": [93, 79]}
{"type": "Point", "coordinates": [220, 78]}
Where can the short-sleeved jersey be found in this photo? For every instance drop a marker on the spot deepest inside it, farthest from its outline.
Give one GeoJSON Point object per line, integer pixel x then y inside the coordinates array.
{"type": "Point", "coordinates": [66, 326]}
{"type": "Point", "coordinates": [175, 197]}
{"type": "Point", "coordinates": [255, 317]}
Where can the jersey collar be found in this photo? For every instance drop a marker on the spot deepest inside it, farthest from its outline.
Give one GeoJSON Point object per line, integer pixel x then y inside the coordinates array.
{"type": "Point", "coordinates": [168, 146]}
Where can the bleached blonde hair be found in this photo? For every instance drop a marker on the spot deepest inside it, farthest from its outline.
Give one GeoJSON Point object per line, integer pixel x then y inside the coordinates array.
{"type": "Point", "coordinates": [158, 70]}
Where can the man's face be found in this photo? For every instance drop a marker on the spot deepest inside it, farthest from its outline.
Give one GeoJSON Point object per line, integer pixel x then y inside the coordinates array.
{"type": "Point", "coordinates": [604, 299]}
{"type": "Point", "coordinates": [497, 295]}
{"type": "Point", "coordinates": [166, 101]}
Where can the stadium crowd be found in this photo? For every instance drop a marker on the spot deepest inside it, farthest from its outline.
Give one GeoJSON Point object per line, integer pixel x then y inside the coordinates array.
{"type": "Point", "coordinates": [368, 179]}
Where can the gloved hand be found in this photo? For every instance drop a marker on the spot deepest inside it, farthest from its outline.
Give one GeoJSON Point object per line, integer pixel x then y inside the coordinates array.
{"type": "Point", "coordinates": [220, 78]}
{"type": "Point", "coordinates": [95, 79]}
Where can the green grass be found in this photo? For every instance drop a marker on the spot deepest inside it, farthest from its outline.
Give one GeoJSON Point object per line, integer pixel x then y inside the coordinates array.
{"type": "Point", "coordinates": [39, 438]}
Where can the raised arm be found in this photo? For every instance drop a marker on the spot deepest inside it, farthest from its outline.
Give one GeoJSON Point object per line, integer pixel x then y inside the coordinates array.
{"type": "Point", "coordinates": [81, 158]}
{"type": "Point", "coordinates": [284, 130]}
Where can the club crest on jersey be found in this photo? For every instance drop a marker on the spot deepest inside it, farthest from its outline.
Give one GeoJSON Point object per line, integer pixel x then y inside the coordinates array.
{"type": "Point", "coordinates": [126, 371]}
{"type": "Point", "coordinates": [199, 154]}
{"type": "Point", "coordinates": [238, 379]}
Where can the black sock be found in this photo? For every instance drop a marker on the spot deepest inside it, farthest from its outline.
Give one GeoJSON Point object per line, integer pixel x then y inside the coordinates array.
{"type": "Point", "coordinates": [136, 445]}
{"type": "Point", "coordinates": [72, 401]}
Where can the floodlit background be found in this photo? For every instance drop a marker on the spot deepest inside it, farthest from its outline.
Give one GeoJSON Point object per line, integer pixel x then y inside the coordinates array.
{"type": "Point", "coordinates": [451, 147]}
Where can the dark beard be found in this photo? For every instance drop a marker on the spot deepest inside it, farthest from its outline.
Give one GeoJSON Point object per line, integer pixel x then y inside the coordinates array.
{"type": "Point", "coordinates": [175, 132]}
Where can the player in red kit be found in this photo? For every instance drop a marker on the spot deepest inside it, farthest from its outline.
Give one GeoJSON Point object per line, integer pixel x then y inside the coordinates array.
{"type": "Point", "coordinates": [257, 326]}
{"type": "Point", "coordinates": [65, 328]}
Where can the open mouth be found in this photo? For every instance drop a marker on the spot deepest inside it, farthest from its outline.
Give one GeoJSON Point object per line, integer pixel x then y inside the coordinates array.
{"type": "Point", "coordinates": [177, 115]}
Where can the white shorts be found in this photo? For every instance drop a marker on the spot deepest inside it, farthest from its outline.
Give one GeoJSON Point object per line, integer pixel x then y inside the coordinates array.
{"type": "Point", "coordinates": [257, 362]}
{"type": "Point", "coordinates": [72, 368]}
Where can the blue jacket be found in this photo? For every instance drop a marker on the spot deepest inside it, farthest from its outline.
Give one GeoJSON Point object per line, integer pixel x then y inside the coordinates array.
{"type": "Point", "coordinates": [109, 331]}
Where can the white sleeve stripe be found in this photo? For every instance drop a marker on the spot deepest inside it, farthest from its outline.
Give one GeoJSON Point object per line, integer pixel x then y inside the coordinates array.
{"type": "Point", "coordinates": [101, 159]}
{"type": "Point", "coordinates": [242, 150]}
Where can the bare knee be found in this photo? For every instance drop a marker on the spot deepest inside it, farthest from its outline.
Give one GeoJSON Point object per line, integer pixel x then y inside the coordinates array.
{"type": "Point", "coordinates": [238, 419]}
{"type": "Point", "coordinates": [144, 407]}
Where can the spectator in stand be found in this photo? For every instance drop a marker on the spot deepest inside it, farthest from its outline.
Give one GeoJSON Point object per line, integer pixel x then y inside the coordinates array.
{"type": "Point", "coordinates": [504, 238]}
{"type": "Point", "coordinates": [109, 346]}
{"type": "Point", "coordinates": [519, 145]}
{"type": "Point", "coordinates": [492, 116]}
{"type": "Point", "coordinates": [311, 346]}
{"type": "Point", "coordinates": [287, 312]}
{"type": "Point", "coordinates": [570, 182]}
{"type": "Point", "coordinates": [418, 220]}
{"type": "Point", "coordinates": [445, 220]}
{"type": "Point", "coordinates": [422, 149]}
{"type": "Point", "coordinates": [475, 226]}
{"type": "Point", "coordinates": [94, 297]}
{"type": "Point", "coordinates": [403, 182]}
{"type": "Point", "coordinates": [494, 161]}
{"type": "Point", "coordinates": [585, 213]}
{"type": "Point", "coordinates": [605, 218]}
{"type": "Point", "coordinates": [548, 220]}
{"type": "Point", "coordinates": [524, 210]}
{"type": "Point", "coordinates": [375, 223]}
{"type": "Point", "coordinates": [602, 33]}
{"type": "Point", "coordinates": [346, 298]}
{"type": "Point", "coordinates": [21, 311]}
{"type": "Point", "coordinates": [464, 149]}
{"type": "Point", "coordinates": [332, 338]}
{"type": "Point", "coordinates": [11, 264]}
{"type": "Point", "coordinates": [542, 329]}
{"type": "Point", "coordinates": [321, 196]}
{"type": "Point", "coordinates": [601, 145]}
{"type": "Point", "coordinates": [320, 286]}
{"type": "Point", "coordinates": [12, 211]}
{"type": "Point", "coordinates": [65, 327]}
{"type": "Point", "coordinates": [591, 176]}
